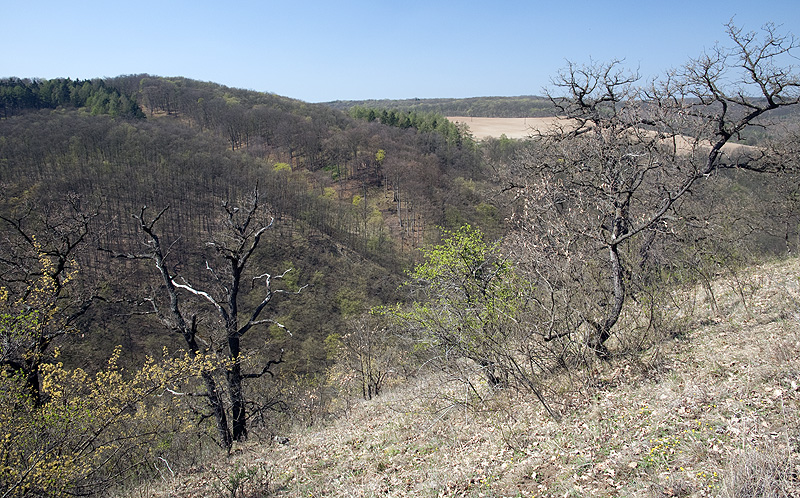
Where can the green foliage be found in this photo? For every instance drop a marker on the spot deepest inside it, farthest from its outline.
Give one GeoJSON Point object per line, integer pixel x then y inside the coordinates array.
{"type": "Point", "coordinates": [291, 277]}
{"type": "Point", "coordinates": [17, 95]}
{"type": "Point", "coordinates": [329, 193]}
{"type": "Point", "coordinates": [464, 264]}
{"type": "Point", "coordinates": [332, 344]}
{"type": "Point", "coordinates": [350, 301]}
{"type": "Point", "coordinates": [15, 329]}
{"type": "Point", "coordinates": [471, 297]}
{"type": "Point", "coordinates": [474, 308]}
{"type": "Point", "coordinates": [502, 150]}
{"type": "Point", "coordinates": [423, 122]}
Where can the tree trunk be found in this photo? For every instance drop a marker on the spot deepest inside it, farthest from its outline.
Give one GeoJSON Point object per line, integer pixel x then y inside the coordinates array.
{"type": "Point", "coordinates": [218, 408]}
{"type": "Point", "coordinates": [489, 369]}
{"type": "Point", "coordinates": [603, 329]}
{"type": "Point", "coordinates": [212, 392]}
{"type": "Point", "coordinates": [238, 405]}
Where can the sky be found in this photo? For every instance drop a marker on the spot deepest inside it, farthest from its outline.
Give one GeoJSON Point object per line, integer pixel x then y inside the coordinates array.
{"type": "Point", "coordinates": [319, 51]}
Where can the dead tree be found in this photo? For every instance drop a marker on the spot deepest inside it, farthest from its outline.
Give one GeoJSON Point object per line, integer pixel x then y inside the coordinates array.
{"type": "Point", "coordinates": [238, 237]}
{"type": "Point", "coordinates": [175, 318]}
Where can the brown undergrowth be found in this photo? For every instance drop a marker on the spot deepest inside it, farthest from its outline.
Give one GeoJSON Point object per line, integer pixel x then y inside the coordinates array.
{"type": "Point", "coordinates": [713, 412]}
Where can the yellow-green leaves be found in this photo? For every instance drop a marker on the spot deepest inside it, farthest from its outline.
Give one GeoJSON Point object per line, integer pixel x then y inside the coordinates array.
{"type": "Point", "coordinates": [467, 272]}
{"type": "Point", "coordinates": [88, 425]}
{"type": "Point", "coordinates": [467, 294]}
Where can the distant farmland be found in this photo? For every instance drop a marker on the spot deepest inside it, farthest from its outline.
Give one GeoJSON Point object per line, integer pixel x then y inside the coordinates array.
{"type": "Point", "coordinates": [511, 127]}
{"type": "Point", "coordinates": [517, 128]}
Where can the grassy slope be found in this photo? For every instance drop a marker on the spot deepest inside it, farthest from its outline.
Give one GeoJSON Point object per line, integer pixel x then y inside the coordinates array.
{"type": "Point", "coordinates": [707, 414]}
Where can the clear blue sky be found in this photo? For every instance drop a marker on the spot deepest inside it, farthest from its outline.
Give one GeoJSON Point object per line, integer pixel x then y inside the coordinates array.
{"type": "Point", "coordinates": [319, 51]}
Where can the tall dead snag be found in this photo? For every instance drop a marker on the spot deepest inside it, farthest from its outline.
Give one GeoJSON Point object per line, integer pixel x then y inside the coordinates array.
{"type": "Point", "coordinates": [176, 319]}
{"type": "Point", "coordinates": [610, 180]}
{"type": "Point", "coordinates": [233, 245]}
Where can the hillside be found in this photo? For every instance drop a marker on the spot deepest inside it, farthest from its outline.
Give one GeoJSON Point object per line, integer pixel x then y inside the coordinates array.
{"type": "Point", "coordinates": [710, 412]}
{"type": "Point", "coordinates": [255, 295]}
{"type": "Point", "coordinates": [194, 145]}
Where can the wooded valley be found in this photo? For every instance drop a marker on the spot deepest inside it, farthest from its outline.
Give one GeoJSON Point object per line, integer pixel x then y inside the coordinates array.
{"type": "Point", "coordinates": [187, 266]}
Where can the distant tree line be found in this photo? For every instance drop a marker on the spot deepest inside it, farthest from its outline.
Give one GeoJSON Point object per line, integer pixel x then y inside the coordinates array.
{"type": "Point", "coordinates": [489, 107]}
{"type": "Point", "coordinates": [423, 122]}
{"type": "Point", "coordinates": [18, 95]}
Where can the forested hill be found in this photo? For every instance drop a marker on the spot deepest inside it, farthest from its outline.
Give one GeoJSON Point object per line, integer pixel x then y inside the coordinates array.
{"type": "Point", "coordinates": [416, 163]}
{"type": "Point", "coordinates": [351, 199]}
{"type": "Point", "coordinates": [188, 268]}
{"type": "Point", "coordinates": [488, 107]}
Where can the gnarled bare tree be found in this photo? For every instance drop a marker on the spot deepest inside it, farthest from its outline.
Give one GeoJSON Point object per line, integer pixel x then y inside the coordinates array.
{"type": "Point", "coordinates": [183, 322]}
{"type": "Point", "coordinates": [596, 192]}
{"type": "Point", "coordinates": [234, 243]}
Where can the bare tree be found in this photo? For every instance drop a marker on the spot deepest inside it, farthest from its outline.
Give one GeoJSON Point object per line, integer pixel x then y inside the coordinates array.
{"type": "Point", "coordinates": [234, 245]}
{"type": "Point", "coordinates": [177, 320]}
{"type": "Point", "coordinates": [367, 354]}
{"type": "Point", "coordinates": [597, 191]}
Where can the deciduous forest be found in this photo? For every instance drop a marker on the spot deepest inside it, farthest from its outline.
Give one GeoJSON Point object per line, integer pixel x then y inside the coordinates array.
{"type": "Point", "coordinates": [188, 268]}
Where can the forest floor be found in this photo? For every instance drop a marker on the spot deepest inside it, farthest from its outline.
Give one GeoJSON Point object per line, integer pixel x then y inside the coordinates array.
{"type": "Point", "coordinates": [713, 411]}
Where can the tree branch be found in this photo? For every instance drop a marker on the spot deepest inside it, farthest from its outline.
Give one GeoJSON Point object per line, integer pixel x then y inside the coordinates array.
{"type": "Point", "coordinates": [266, 368]}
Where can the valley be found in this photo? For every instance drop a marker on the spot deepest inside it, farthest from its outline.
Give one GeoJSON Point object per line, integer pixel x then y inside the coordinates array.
{"type": "Point", "coordinates": [206, 290]}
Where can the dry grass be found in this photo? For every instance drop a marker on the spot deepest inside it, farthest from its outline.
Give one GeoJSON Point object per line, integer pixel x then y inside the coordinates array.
{"type": "Point", "coordinates": [713, 413]}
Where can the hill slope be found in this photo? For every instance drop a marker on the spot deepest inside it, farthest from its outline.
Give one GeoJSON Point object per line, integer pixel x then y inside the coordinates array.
{"type": "Point", "coordinates": [194, 145]}
{"type": "Point", "coordinates": [713, 412]}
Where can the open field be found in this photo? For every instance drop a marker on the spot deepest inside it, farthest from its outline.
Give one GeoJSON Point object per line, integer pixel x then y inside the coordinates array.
{"type": "Point", "coordinates": [520, 128]}
{"type": "Point", "coordinates": [511, 127]}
